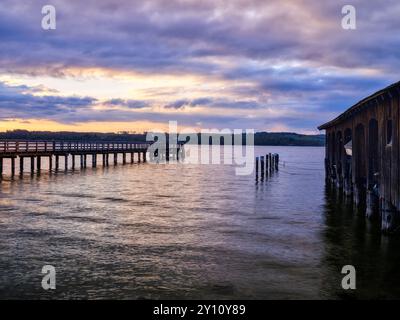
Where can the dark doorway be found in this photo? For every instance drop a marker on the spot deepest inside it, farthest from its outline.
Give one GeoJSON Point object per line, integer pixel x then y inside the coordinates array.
{"type": "Point", "coordinates": [360, 155]}
{"type": "Point", "coordinates": [373, 154]}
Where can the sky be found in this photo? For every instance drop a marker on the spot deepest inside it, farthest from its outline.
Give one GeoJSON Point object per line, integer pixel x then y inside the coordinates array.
{"type": "Point", "coordinates": [267, 65]}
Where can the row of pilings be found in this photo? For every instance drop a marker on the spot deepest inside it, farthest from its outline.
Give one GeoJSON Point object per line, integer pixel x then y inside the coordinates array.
{"type": "Point", "coordinates": [68, 161]}
{"type": "Point", "coordinates": [366, 200]}
{"type": "Point", "coordinates": [266, 165]}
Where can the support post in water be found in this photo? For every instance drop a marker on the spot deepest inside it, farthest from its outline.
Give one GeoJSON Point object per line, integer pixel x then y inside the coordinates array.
{"type": "Point", "coordinates": [66, 162]}
{"type": "Point", "coordinates": [32, 165]}
{"type": "Point", "coordinates": [57, 162]}
{"type": "Point", "coordinates": [276, 162]}
{"type": "Point", "coordinates": [256, 168]}
{"type": "Point", "coordinates": [262, 165]}
{"type": "Point", "coordinates": [38, 164]}
{"type": "Point", "coordinates": [270, 163]}
{"type": "Point", "coordinates": [21, 166]}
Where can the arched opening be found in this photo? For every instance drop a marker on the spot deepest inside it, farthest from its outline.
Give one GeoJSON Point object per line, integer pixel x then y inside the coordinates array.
{"type": "Point", "coordinates": [373, 155]}
{"type": "Point", "coordinates": [359, 147]}
{"type": "Point", "coordinates": [333, 144]}
{"type": "Point", "coordinates": [347, 166]}
{"type": "Point", "coordinates": [339, 152]}
{"type": "Point", "coordinates": [360, 156]}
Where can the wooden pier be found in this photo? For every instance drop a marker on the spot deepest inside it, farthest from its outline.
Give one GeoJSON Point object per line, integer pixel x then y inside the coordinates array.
{"type": "Point", "coordinates": [266, 165]}
{"type": "Point", "coordinates": [18, 151]}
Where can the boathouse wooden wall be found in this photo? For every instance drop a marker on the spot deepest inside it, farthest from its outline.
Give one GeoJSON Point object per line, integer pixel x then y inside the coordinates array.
{"type": "Point", "coordinates": [368, 156]}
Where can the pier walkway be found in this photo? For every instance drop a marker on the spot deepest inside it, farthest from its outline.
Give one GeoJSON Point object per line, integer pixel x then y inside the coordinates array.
{"type": "Point", "coordinates": [53, 150]}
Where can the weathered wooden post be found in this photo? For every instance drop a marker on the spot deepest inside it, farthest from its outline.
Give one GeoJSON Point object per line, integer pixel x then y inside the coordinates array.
{"type": "Point", "coordinates": [1, 167]}
{"type": "Point", "coordinates": [123, 158]}
{"type": "Point", "coordinates": [94, 160]}
{"type": "Point", "coordinates": [262, 165]}
{"type": "Point", "coordinates": [12, 167]}
{"type": "Point", "coordinates": [38, 164]}
{"type": "Point", "coordinates": [66, 162]}
{"type": "Point", "coordinates": [115, 159]}
{"type": "Point", "coordinates": [270, 162]}
{"type": "Point", "coordinates": [50, 163]}
{"type": "Point", "coordinates": [57, 162]}
{"type": "Point", "coordinates": [276, 162]}
{"type": "Point", "coordinates": [81, 160]}
{"type": "Point", "coordinates": [273, 162]}
{"type": "Point", "coordinates": [21, 165]}
{"type": "Point", "coordinates": [131, 157]}
{"type": "Point", "coordinates": [73, 161]}
{"type": "Point", "coordinates": [256, 168]}
{"type": "Point", "coordinates": [32, 165]}
{"type": "Point", "coordinates": [85, 160]}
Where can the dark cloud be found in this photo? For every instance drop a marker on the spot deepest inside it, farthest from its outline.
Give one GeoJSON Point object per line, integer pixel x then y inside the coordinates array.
{"type": "Point", "coordinates": [15, 103]}
{"type": "Point", "coordinates": [129, 103]}
{"type": "Point", "coordinates": [320, 66]}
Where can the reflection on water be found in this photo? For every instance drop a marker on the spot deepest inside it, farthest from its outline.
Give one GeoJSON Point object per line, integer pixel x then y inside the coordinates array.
{"type": "Point", "coordinates": [195, 231]}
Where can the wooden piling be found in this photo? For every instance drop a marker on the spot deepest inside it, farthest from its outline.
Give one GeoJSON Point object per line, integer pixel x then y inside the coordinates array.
{"type": "Point", "coordinates": [94, 160]}
{"type": "Point", "coordinates": [57, 162]}
{"type": "Point", "coordinates": [66, 162]}
{"type": "Point", "coordinates": [270, 163]}
{"type": "Point", "coordinates": [21, 165]}
{"type": "Point", "coordinates": [256, 168]}
{"type": "Point", "coordinates": [262, 165]}
{"type": "Point", "coordinates": [12, 167]}
{"type": "Point", "coordinates": [38, 164]}
{"type": "Point", "coordinates": [50, 163]}
{"type": "Point", "coordinates": [32, 165]}
{"type": "Point", "coordinates": [1, 167]}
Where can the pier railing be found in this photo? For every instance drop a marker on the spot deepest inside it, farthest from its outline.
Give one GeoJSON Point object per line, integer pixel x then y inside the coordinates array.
{"type": "Point", "coordinates": [20, 147]}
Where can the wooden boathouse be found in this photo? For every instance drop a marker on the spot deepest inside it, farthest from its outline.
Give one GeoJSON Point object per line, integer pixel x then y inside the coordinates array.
{"type": "Point", "coordinates": [362, 155]}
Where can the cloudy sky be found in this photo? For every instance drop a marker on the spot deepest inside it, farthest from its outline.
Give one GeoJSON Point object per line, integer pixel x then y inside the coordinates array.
{"type": "Point", "coordinates": [114, 65]}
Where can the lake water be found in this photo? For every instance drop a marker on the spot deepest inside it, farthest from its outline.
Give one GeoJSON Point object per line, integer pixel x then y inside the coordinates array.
{"type": "Point", "coordinates": [190, 231]}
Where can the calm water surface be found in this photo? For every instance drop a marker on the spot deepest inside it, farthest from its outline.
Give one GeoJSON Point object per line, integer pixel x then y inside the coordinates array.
{"type": "Point", "coordinates": [190, 231]}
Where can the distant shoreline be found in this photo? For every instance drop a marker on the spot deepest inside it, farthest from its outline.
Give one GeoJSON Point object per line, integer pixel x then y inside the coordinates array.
{"type": "Point", "coordinates": [283, 139]}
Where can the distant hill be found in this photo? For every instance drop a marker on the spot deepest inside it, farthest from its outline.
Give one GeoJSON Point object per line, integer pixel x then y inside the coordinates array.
{"type": "Point", "coordinates": [260, 139]}
{"type": "Point", "coordinates": [288, 139]}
